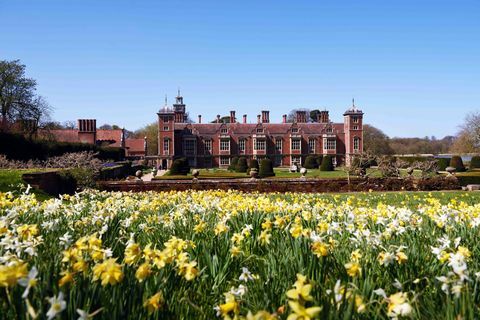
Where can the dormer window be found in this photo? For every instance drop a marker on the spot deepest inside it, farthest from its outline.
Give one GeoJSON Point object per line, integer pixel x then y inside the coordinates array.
{"type": "Point", "coordinates": [259, 130]}
{"type": "Point", "coordinates": [329, 130]}
{"type": "Point", "coordinates": [224, 131]}
{"type": "Point", "coordinates": [294, 130]}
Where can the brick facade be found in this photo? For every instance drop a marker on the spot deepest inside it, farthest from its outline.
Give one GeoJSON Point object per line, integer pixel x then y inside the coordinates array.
{"type": "Point", "coordinates": [207, 145]}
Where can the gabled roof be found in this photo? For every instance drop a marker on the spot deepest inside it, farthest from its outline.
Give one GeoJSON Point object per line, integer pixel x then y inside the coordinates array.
{"type": "Point", "coordinates": [135, 145]}
{"type": "Point", "coordinates": [110, 135]}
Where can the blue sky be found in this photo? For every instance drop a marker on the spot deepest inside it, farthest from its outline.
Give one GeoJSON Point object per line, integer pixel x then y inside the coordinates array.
{"type": "Point", "coordinates": [412, 66]}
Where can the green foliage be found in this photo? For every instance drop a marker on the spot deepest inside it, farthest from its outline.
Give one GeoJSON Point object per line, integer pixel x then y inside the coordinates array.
{"type": "Point", "coordinates": [475, 163]}
{"type": "Point", "coordinates": [17, 147]}
{"type": "Point", "coordinates": [266, 168]}
{"type": "Point", "coordinates": [241, 165]}
{"type": "Point", "coordinates": [319, 159]}
{"type": "Point", "coordinates": [253, 164]}
{"type": "Point", "coordinates": [327, 164]}
{"type": "Point", "coordinates": [457, 163]}
{"type": "Point", "coordinates": [180, 166]}
{"type": "Point", "coordinates": [443, 163]}
{"type": "Point", "coordinates": [233, 164]}
{"type": "Point", "coordinates": [311, 162]}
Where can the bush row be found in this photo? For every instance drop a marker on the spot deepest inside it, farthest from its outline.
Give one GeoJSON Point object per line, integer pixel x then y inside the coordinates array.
{"type": "Point", "coordinates": [17, 147]}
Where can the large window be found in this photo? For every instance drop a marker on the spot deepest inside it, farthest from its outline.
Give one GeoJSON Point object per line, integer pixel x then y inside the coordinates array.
{"type": "Point", "coordinates": [224, 161]}
{"type": "Point", "coordinates": [208, 146]}
{"type": "Point", "coordinates": [311, 145]}
{"type": "Point", "coordinates": [241, 145]}
{"type": "Point", "coordinates": [296, 144]}
{"type": "Point", "coordinates": [355, 127]}
{"type": "Point", "coordinates": [278, 144]}
{"type": "Point", "coordinates": [166, 128]}
{"type": "Point", "coordinates": [356, 143]}
{"type": "Point", "coordinates": [329, 144]}
{"type": "Point", "coordinates": [355, 119]}
{"type": "Point", "coordinates": [260, 144]}
{"type": "Point", "coordinates": [166, 145]}
{"type": "Point", "coordinates": [189, 147]}
{"type": "Point", "coordinates": [225, 145]}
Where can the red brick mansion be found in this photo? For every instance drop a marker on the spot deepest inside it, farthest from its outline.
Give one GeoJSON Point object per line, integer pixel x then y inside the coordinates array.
{"type": "Point", "coordinates": [207, 145]}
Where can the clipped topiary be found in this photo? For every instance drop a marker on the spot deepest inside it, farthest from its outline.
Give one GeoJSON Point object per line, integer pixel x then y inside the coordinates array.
{"type": "Point", "coordinates": [319, 159]}
{"type": "Point", "coordinates": [266, 168]}
{"type": "Point", "coordinates": [443, 163]}
{"type": "Point", "coordinates": [233, 164]}
{"type": "Point", "coordinates": [180, 166]}
{"type": "Point", "coordinates": [241, 165]}
{"type": "Point", "coordinates": [475, 163]}
{"type": "Point", "coordinates": [457, 163]}
{"type": "Point", "coordinates": [311, 162]}
{"type": "Point", "coordinates": [253, 164]}
{"type": "Point", "coordinates": [327, 164]}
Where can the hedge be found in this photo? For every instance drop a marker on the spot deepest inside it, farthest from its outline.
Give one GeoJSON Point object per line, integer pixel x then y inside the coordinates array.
{"type": "Point", "coordinates": [266, 168]}
{"type": "Point", "coordinates": [327, 164]}
{"type": "Point", "coordinates": [180, 166]}
{"type": "Point", "coordinates": [457, 163]}
{"type": "Point", "coordinates": [233, 164]}
{"type": "Point", "coordinates": [311, 162]}
{"type": "Point", "coordinates": [253, 164]}
{"type": "Point", "coordinates": [475, 163]}
{"type": "Point", "coordinates": [241, 165]}
{"type": "Point", "coordinates": [443, 163]}
{"type": "Point", "coordinates": [17, 147]}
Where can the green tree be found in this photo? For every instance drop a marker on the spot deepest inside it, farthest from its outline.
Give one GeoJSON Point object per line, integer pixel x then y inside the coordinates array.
{"type": "Point", "coordinates": [18, 100]}
{"type": "Point", "coordinates": [468, 139]}
{"type": "Point", "coordinates": [151, 132]}
{"type": "Point", "coordinates": [375, 141]}
{"type": "Point", "coordinates": [327, 164]}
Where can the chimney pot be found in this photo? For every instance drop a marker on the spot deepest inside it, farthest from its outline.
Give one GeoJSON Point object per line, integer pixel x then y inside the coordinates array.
{"type": "Point", "coordinates": [284, 118]}
{"type": "Point", "coordinates": [244, 118]}
{"type": "Point", "coordinates": [199, 118]}
{"type": "Point", "coordinates": [218, 118]}
{"type": "Point", "coordinates": [232, 116]}
{"type": "Point", "coordinates": [258, 118]}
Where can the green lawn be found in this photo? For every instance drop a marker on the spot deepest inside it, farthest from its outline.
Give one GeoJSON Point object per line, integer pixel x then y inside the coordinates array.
{"type": "Point", "coordinates": [11, 180]}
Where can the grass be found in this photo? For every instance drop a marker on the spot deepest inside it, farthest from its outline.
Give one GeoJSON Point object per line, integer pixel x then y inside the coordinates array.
{"type": "Point", "coordinates": [11, 180]}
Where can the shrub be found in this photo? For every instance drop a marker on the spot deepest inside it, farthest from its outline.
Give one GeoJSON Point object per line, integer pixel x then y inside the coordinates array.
{"type": "Point", "coordinates": [457, 163]}
{"type": "Point", "coordinates": [253, 164]}
{"type": "Point", "coordinates": [241, 165]}
{"type": "Point", "coordinates": [266, 168]}
{"type": "Point", "coordinates": [233, 164]}
{"type": "Point", "coordinates": [327, 164]}
{"type": "Point", "coordinates": [319, 159]}
{"type": "Point", "coordinates": [475, 163]}
{"type": "Point", "coordinates": [443, 163]}
{"type": "Point", "coordinates": [311, 162]}
{"type": "Point", "coordinates": [180, 166]}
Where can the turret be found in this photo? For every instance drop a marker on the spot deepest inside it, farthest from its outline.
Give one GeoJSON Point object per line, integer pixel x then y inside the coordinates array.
{"type": "Point", "coordinates": [353, 128]}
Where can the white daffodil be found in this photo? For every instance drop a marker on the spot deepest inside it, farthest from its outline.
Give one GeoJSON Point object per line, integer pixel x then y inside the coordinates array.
{"type": "Point", "coordinates": [57, 305]}
{"type": "Point", "coordinates": [246, 275]}
{"type": "Point", "coordinates": [29, 282]}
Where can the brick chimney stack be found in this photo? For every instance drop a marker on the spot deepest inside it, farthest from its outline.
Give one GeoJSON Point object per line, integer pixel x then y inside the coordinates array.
{"type": "Point", "coordinates": [324, 118]}
{"type": "Point", "coordinates": [244, 118]}
{"type": "Point", "coordinates": [284, 118]}
{"type": "Point", "coordinates": [232, 117]}
{"type": "Point", "coordinates": [259, 120]}
{"type": "Point", "coordinates": [265, 116]}
{"type": "Point", "coordinates": [199, 118]}
{"type": "Point", "coordinates": [218, 118]}
{"type": "Point", "coordinates": [301, 116]}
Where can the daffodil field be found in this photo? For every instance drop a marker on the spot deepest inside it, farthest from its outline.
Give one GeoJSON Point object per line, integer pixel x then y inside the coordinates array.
{"type": "Point", "coordinates": [232, 255]}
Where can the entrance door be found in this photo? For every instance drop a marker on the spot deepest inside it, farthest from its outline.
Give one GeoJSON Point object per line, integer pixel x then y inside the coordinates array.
{"type": "Point", "coordinates": [164, 164]}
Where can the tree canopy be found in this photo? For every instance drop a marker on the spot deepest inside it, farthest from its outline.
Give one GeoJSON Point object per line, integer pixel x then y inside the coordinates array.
{"type": "Point", "coordinates": [18, 100]}
{"type": "Point", "coordinates": [468, 139]}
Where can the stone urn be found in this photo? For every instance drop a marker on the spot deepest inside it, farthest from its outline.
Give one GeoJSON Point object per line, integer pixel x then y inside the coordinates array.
{"type": "Point", "coordinates": [154, 171]}
{"type": "Point", "coordinates": [450, 170]}
{"type": "Point", "coordinates": [139, 174]}
{"type": "Point", "coordinates": [254, 173]}
{"type": "Point", "coordinates": [303, 172]}
{"type": "Point", "coordinates": [410, 171]}
{"type": "Point", "coordinates": [195, 174]}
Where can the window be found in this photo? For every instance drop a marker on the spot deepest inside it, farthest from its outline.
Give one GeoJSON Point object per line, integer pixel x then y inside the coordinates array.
{"type": "Point", "coordinates": [278, 145]}
{"type": "Point", "coordinates": [356, 143]}
{"type": "Point", "coordinates": [260, 144]}
{"type": "Point", "coordinates": [296, 144]}
{"type": "Point", "coordinates": [208, 146]}
{"type": "Point", "coordinates": [166, 128]}
{"type": "Point", "coordinates": [259, 130]}
{"type": "Point", "coordinates": [225, 145]}
{"type": "Point", "coordinates": [223, 131]}
{"type": "Point", "coordinates": [355, 127]}
{"type": "Point", "coordinates": [355, 119]}
{"type": "Point", "coordinates": [311, 145]}
{"type": "Point", "coordinates": [241, 145]}
{"type": "Point", "coordinates": [329, 144]}
{"type": "Point", "coordinates": [297, 160]}
{"type": "Point", "coordinates": [329, 130]}
{"type": "Point", "coordinates": [224, 161]}
{"type": "Point", "coordinates": [165, 146]}
{"type": "Point", "coordinates": [294, 130]}
{"type": "Point", "coordinates": [189, 147]}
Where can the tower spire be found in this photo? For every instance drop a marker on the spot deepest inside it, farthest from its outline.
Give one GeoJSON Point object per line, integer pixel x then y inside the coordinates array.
{"type": "Point", "coordinates": [166, 100]}
{"type": "Point", "coordinates": [178, 92]}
